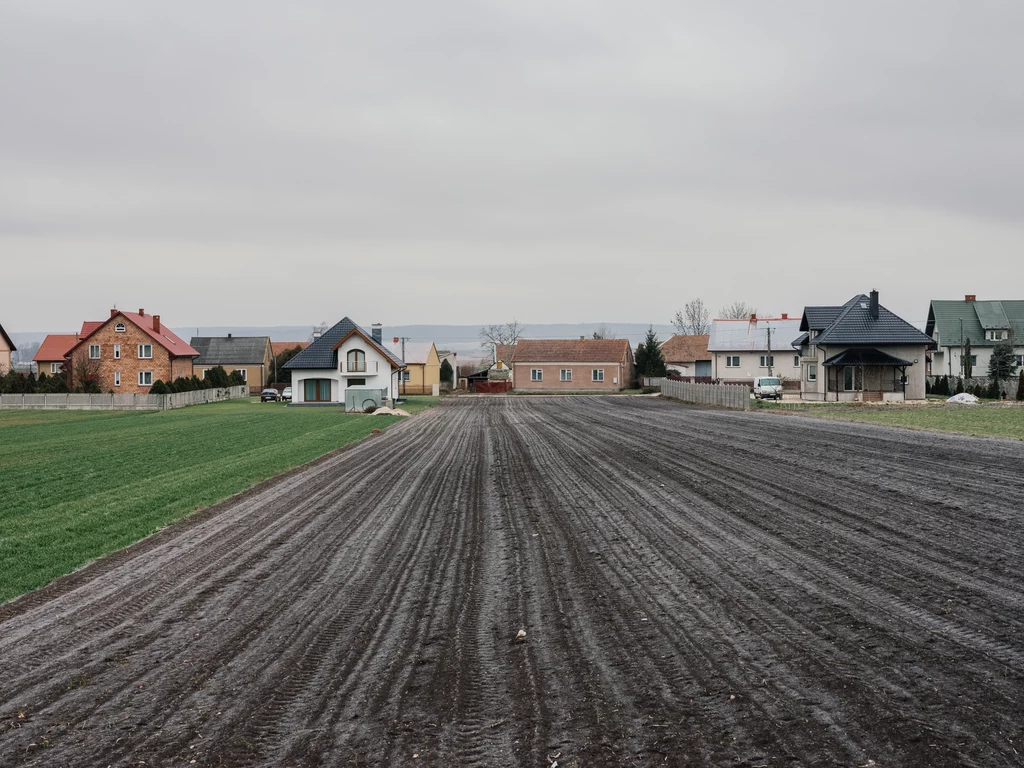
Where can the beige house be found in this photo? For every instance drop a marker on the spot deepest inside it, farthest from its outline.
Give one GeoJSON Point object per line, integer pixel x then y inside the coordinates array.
{"type": "Point", "coordinates": [251, 355]}
{"type": "Point", "coordinates": [741, 350]}
{"type": "Point", "coordinates": [861, 352]}
{"type": "Point", "coordinates": [600, 365]}
{"type": "Point", "coordinates": [6, 347]}
{"type": "Point", "coordinates": [422, 373]}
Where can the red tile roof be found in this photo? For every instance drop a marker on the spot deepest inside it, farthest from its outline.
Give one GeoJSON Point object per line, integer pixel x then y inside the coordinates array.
{"type": "Point", "coordinates": [55, 347]}
{"type": "Point", "coordinates": [89, 326]}
{"type": "Point", "coordinates": [569, 351]}
{"type": "Point", "coordinates": [504, 352]}
{"type": "Point", "coordinates": [277, 347]}
{"type": "Point", "coordinates": [686, 349]}
{"type": "Point", "coordinates": [165, 337]}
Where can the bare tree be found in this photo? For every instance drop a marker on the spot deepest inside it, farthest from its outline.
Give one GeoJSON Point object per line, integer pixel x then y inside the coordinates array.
{"type": "Point", "coordinates": [604, 332]}
{"type": "Point", "coordinates": [694, 318]}
{"type": "Point", "coordinates": [506, 334]}
{"type": "Point", "coordinates": [85, 372]}
{"type": "Point", "coordinates": [738, 310]}
{"type": "Point", "coordinates": [318, 330]}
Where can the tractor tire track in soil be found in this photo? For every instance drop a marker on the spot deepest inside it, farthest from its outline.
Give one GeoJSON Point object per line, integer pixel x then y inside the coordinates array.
{"type": "Point", "coordinates": [697, 588]}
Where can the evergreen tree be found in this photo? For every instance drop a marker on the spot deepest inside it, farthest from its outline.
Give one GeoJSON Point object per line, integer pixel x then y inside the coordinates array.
{"type": "Point", "coordinates": [159, 388]}
{"type": "Point", "coordinates": [236, 379]}
{"type": "Point", "coordinates": [959, 385]}
{"type": "Point", "coordinates": [1020, 386]}
{"type": "Point", "coordinates": [968, 365]}
{"type": "Point", "coordinates": [649, 360]}
{"type": "Point", "coordinates": [1002, 366]}
{"type": "Point", "coordinates": [217, 377]}
{"type": "Point", "coordinates": [446, 372]}
{"type": "Point", "coordinates": [993, 389]}
{"type": "Point", "coordinates": [927, 386]}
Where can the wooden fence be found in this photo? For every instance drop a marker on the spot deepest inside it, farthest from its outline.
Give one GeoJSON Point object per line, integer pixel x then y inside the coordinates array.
{"type": "Point", "coordinates": [74, 402]}
{"type": "Point", "coordinates": [723, 395]}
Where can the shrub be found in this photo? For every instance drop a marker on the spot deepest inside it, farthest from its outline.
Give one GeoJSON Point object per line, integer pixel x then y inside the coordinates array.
{"type": "Point", "coordinates": [959, 386]}
{"type": "Point", "coordinates": [1020, 386]}
{"type": "Point", "coordinates": [159, 388]}
{"type": "Point", "coordinates": [216, 377]}
{"type": "Point", "coordinates": [993, 389]}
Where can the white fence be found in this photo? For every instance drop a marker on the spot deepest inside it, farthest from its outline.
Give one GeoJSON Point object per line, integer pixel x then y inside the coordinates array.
{"type": "Point", "coordinates": [72, 402]}
{"type": "Point", "coordinates": [724, 395]}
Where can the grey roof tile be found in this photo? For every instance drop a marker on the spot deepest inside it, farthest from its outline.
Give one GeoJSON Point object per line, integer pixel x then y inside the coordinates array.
{"type": "Point", "coordinates": [855, 325]}
{"type": "Point", "coordinates": [321, 353]}
{"type": "Point", "coordinates": [230, 350]}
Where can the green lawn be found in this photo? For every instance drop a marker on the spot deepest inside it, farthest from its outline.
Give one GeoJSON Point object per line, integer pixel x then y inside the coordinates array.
{"type": "Point", "coordinates": [76, 485]}
{"type": "Point", "coordinates": [986, 420]}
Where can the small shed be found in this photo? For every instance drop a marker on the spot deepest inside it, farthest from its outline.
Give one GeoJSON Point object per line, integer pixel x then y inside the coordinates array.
{"type": "Point", "coordinates": [361, 397]}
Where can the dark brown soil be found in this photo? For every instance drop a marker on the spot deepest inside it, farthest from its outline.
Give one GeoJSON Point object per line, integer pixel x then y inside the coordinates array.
{"type": "Point", "coordinates": [697, 588]}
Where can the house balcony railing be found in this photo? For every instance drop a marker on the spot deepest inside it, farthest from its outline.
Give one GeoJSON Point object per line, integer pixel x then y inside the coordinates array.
{"type": "Point", "coordinates": [361, 367]}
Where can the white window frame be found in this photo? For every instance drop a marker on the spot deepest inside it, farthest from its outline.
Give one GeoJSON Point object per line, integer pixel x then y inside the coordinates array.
{"type": "Point", "coordinates": [142, 352]}
{"type": "Point", "coordinates": [812, 372]}
{"type": "Point", "coordinates": [536, 374]}
{"type": "Point", "coordinates": [597, 375]}
{"type": "Point", "coordinates": [117, 351]}
{"type": "Point", "coordinates": [565, 374]}
{"type": "Point", "coordinates": [117, 378]}
{"type": "Point", "coordinates": [729, 361]}
{"type": "Point", "coordinates": [770, 359]}
{"type": "Point", "coordinates": [119, 328]}
{"type": "Point", "coordinates": [143, 375]}
{"type": "Point", "coordinates": [245, 374]}
{"type": "Point", "coordinates": [94, 347]}
{"type": "Point", "coordinates": [55, 367]}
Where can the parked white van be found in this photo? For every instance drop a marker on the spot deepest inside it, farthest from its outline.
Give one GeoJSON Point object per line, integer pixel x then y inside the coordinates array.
{"type": "Point", "coordinates": [768, 386]}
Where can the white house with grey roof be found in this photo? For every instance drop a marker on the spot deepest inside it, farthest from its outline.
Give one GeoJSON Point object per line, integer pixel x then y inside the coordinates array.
{"type": "Point", "coordinates": [860, 351]}
{"type": "Point", "coordinates": [741, 350]}
{"type": "Point", "coordinates": [345, 366]}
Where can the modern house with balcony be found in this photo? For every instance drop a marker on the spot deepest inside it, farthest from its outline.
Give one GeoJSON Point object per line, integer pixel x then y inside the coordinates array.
{"type": "Point", "coordinates": [341, 359]}
{"type": "Point", "coordinates": [861, 352]}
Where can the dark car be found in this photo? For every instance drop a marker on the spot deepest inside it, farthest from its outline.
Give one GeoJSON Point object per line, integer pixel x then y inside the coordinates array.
{"type": "Point", "coordinates": [269, 394]}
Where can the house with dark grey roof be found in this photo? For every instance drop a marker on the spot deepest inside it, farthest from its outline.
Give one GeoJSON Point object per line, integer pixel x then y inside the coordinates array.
{"type": "Point", "coordinates": [742, 350]}
{"type": "Point", "coordinates": [345, 365]}
{"type": "Point", "coordinates": [251, 355]}
{"type": "Point", "coordinates": [860, 351]}
{"type": "Point", "coordinates": [955, 325]}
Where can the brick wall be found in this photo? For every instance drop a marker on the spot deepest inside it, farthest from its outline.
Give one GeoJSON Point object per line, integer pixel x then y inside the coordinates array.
{"type": "Point", "coordinates": [129, 363]}
{"type": "Point", "coordinates": [582, 376]}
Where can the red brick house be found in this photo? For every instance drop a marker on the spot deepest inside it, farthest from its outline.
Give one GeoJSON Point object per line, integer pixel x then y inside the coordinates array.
{"type": "Point", "coordinates": [601, 365]}
{"type": "Point", "coordinates": [128, 352]}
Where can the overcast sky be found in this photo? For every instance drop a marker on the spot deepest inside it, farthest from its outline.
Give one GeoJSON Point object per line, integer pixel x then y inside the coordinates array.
{"type": "Point", "coordinates": [263, 163]}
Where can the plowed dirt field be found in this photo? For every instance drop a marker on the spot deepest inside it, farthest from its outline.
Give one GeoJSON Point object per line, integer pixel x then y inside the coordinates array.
{"type": "Point", "coordinates": [696, 588]}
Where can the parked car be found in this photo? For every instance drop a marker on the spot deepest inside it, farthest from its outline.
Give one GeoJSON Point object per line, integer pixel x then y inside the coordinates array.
{"type": "Point", "coordinates": [287, 394]}
{"type": "Point", "coordinates": [768, 386]}
{"type": "Point", "coordinates": [269, 394]}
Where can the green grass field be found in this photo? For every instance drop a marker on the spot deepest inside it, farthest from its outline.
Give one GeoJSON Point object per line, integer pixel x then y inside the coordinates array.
{"type": "Point", "coordinates": [76, 485]}
{"type": "Point", "coordinates": [991, 420]}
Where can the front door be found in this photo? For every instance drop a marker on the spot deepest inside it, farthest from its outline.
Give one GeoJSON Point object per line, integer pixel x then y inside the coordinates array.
{"type": "Point", "coordinates": [317, 391]}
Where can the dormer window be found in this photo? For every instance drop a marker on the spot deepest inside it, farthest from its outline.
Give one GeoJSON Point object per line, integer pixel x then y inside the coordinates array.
{"type": "Point", "coordinates": [119, 328]}
{"type": "Point", "coordinates": [997, 335]}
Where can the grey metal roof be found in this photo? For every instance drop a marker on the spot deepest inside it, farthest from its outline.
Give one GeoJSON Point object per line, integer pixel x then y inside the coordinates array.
{"type": "Point", "coordinates": [944, 320]}
{"type": "Point", "coordinates": [855, 325]}
{"type": "Point", "coordinates": [321, 353]}
{"type": "Point", "coordinates": [746, 336]}
{"type": "Point", "coordinates": [819, 318]}
{"type": "Point", "coordinates": [230, 350]}
{"type": "Point", "coordinates": [866, 356]}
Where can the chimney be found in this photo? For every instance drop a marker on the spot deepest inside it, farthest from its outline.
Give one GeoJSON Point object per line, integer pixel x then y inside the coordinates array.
{"type": "Point", "coordinates": [873, 307]}
{"type": "Point", "coordinates": [156, 323]}
{"type": "Point", "coordinates": [583, 338]}
{"type": "Point", "coordinates": [753, 317]}
{"type": "Point", "coordinates": [142, 311]}
{"type": "Point", "coordinates": [785, 316]}
{"type": "Point", "coordinates": [113, 312]}
{"type": "Point", "coordinates": [970, 297]}
{"type": "Point", "coordinates": [229, 335]}
{"type": "Point", "coordinates": [377, 332]}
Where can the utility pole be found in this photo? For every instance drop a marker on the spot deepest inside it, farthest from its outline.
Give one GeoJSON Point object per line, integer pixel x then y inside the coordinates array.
{"type": "Point", "coordinates": [401, 376]}
{"type": "Point", "coordinates": [961, 347]}
{"type": "Point", "coordinates": [769, 350]}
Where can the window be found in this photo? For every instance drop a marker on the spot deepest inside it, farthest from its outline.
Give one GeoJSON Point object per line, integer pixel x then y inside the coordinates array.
{"type": "Point", "coordinates": [848, 379]}
{"type": "Point", "coordinates": [996, 335]}
{"type": "Point", "coordinates": [245, 373]}
{"type": "Point", "coordinates": [145, 378]}
{"type": "Point", "coordinates": [119, 328]}
{"type": "Point", "coordinates": [145, 351]}
{"type": "Point", "coordinates": [94, 351]}
{"type": "Point", "coordinates": [536, 374]}
{"type": "Point", "coordinates": [356, 361]}
{"type": "Point", "coordinates": [767, 361]}
{"type": "Point", "coordinates": [117, 351]}
{"type": "Point", "coordinates": [597, 374]}
{"type": "Point", "coordinates": [812, 372]}
{"type": "Point", "coordinates": [406, 375]}
{"type": "Point", "coordinates": [1020, 361]}
{"type": "Point", "coordinates": [317, 390]}
{"type": "Point", "coordinates": [565, 374]}
{"type": "Point", "coordinates": [796, 361]}
{"type": "Point", "coordinates": [54, 367]}
{"type": "Point", "coordinates": [732, 361]}
{"type": "Point", "coordinates": [117, 378]}
{"type": "Point", "coordinates": [357, 382]}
